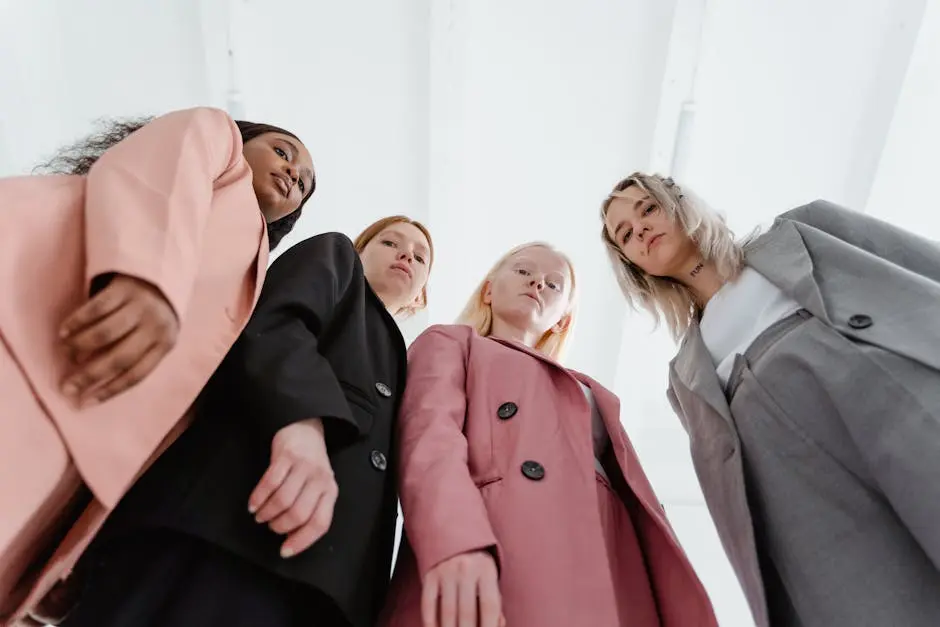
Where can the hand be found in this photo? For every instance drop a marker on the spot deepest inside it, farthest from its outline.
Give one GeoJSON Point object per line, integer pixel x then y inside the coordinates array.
{"type": "Point", "coordinates": [297, 493]}
{"type": "Point", "coordinates": [117, 338]}
{"type": "Point", "coordinates": [462, 592]}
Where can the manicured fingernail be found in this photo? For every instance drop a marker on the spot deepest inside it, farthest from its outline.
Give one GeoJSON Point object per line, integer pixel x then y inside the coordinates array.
{"type": "Point", "coordinates": [252, 508]}
{"type": "Point", "coordinates": [285, 553]}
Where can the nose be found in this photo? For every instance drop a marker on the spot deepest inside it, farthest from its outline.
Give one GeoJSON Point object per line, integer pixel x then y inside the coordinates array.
{"type": "Point", "coordinates": [537, 282]}
{"type": "Point", "coordinates": [406, 255]}
{"type": "Point", "coordinates": [290, 171]}
{"type": "Point", "coordinates": [643, 231]}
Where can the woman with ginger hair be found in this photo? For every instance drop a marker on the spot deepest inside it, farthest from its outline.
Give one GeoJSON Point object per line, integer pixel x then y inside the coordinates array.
{"type": "Point", "coordinates": [524, 502]}
{"type": "Point", "coordinates": [276, 506]}
{"type": "Point", "coordinates": [808, 378]}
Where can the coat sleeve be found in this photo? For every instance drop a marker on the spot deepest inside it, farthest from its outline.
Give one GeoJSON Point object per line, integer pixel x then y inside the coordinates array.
{"type": "Point", "coordinates": [275, 367]}
{"type": "Point", "coordinates": [886, 241]}
{"type": "Point", "coordinates": [443, 509]}
{"type": "Point", "coordinates": [148, 200]}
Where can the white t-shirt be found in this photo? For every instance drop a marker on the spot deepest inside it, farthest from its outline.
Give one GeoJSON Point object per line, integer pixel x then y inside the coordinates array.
{"type": "Point", "coordinates": [738, 313]}
{"type": "Point", "coordinates": [598, 430]}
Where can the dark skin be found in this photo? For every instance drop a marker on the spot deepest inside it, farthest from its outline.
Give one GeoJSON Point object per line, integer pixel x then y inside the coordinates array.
{"type": "Point", "coordinates": [122, 333]}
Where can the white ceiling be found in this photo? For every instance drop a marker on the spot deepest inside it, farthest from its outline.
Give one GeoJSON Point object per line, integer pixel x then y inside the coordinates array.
{"type": "Point", "coordinates": [498, 122]}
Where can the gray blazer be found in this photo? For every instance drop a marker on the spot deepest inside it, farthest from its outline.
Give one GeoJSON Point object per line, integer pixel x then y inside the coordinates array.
{"type": "Point", "coordinates": [843, 267]}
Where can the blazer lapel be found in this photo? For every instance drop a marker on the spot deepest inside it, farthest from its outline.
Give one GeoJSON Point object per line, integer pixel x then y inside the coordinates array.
{"type": "Point", "coordinates": [696, 371]}
{"type": "Point", "coordinates": [780, 255]}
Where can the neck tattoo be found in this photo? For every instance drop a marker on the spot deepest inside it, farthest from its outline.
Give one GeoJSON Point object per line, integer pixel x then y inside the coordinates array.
{"type": "Point", "coordinates": [697, 268]}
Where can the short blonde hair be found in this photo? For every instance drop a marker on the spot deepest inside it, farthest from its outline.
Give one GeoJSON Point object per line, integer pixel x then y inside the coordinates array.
{"type": "Point", "coordinates": [479, 315]}
{"type": "Point", "coordinates": [370, 232]}
{"type": "Point", "coordinates": [664, 297]}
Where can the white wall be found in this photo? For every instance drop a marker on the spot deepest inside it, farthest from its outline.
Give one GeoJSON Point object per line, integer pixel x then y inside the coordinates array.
{"type": "Point", "coordinates": [63, 66]}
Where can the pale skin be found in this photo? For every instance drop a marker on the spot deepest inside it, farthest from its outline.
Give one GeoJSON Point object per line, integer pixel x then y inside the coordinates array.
{"type": "Point", "coordinates": [116, 338]}
{"type": "Point", "coordinates": [529, 294]}
{"type": "Point", "coordinates": [655, 243]}
{"type": "Point", "coordinates": [297, 493]}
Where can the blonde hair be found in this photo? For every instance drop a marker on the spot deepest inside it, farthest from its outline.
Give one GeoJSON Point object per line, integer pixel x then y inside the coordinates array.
{"type": "Point", "coordinates": [370, 232]}
{"type": "Point", "coordinates": [664, 297]}
{"type": "Point", "coordinates": [479, 315]}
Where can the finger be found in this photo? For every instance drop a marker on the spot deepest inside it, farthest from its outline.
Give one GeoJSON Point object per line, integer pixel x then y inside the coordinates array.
{"type": "Point", "coordinates": [284, 497]}
{"type": "Point", "coordinates": [104, 331]}
{"type": "Point", "coordinates": [105, 366]}
{"type": "Point", "coordinates": [491, 614]}
{"type": "Point", "coordinates": [129, 378]}
{"type": "Point", "coordinates": [448, 602]}
{"type": "Point", "coordinates": [315, 528]}
{"type": "Point", "coordinates": [100, 305]}
{"type": "Point", "coordinates": [430, 590]}
{"type": "Point", "coordinates": [467, 602]}
{"type": "Point", "coordinates": [270, 481]}
{"type": "Point", "coordinates": [300, 512]}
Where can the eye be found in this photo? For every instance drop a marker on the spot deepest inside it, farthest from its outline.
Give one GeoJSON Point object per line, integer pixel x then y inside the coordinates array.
{"type": "Point", "coordinates": [650, 209]}
{"type": "Point", "coordinates": [420, 259]}
{"type": "Point", "coordinates": [522, 271]}
{"type": "Point", "coordinates": [388, 242]}
{"type": "Point", "coordinates": [626, 236]}
{"type": "Point", "coordinates": [553, 286]}
{"type": "Point", "coordinates": [302, 185]}
{"type": "Point", "coordinates": [280, 152]}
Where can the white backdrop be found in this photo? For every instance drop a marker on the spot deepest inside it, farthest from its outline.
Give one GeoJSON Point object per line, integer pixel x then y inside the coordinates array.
{"type": "Point", "coordinates": [503, 121]}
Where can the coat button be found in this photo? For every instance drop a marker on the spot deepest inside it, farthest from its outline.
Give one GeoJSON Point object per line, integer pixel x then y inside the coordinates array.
{"type": "Point", "coordinates": [507, 411]}
{"type": "Point", "coordinates": [383, 389]}
{"type": "Point", "coordinates": [378, 460]}
{"type": "Point", "coordinates": [860, 321]}
{"type": "Point", "coordinates": [533, 470]}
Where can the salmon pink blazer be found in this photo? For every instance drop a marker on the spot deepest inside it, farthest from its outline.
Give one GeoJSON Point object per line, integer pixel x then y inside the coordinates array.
{"type": "Point", "coordinates": [476, 413]}
{"type": "Point", "coordinates": [171, 204]}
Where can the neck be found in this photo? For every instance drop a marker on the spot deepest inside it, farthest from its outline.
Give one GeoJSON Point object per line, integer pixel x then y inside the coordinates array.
{"type": "Point", "coordinates": [702, 279]}
{"type": "Point", "coordinates": [508, 331]}
{"type": "Point", "coordinates": [391, 303]}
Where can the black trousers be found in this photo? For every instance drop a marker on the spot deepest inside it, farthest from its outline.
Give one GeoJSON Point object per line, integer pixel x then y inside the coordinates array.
{"type": "Point", "coordinates": [161, 578]}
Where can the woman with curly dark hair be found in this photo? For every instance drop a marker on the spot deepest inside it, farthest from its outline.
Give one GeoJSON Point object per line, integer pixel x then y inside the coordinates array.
{"type": "Point", "coordinates": [127, 276]}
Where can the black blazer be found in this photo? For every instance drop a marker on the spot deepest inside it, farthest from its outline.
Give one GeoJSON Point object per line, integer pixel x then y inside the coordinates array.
{"type": "Point", "coordinates": [320, 344]}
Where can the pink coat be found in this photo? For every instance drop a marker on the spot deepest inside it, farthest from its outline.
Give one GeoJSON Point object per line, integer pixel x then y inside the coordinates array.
{"type": "Point", "coordinates": [462, 487]}
{"type": "Point", "coordinates": [185, 220]}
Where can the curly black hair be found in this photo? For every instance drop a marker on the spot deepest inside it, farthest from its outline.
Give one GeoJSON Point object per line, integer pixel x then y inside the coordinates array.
{"type": "Point", "coordinates": [78, 158]}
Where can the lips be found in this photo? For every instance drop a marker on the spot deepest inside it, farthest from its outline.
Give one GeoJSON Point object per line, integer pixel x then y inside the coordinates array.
{"type": "Point", "coordinates": [403, 268]}
{"type": "Point", "coordinates": [655, 239]}
{"type": "Point", "coordinates": [533, 297]}
{"type": "Point", "coordinates": [282, 184]}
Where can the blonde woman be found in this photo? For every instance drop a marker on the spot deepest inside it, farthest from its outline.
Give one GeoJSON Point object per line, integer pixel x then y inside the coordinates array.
{"type": "Point", "coordinates": [276, 508]}
{"type": "Point", "coordinates": [524, 501]}
{"type": "Point", "coordinates": [808, 378]}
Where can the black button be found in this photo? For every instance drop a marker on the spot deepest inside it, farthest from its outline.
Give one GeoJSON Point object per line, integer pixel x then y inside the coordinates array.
{"type": "Point", "coordinates": [507, 410]}
{"type": "Point", "coordinates": [383, 389]}
{"type": "Point", "coordinates": [533, 470]}
{"type": "Point", "coordinates": [860, 321]}
{"type": "Point", "coordinates": [378, 460]}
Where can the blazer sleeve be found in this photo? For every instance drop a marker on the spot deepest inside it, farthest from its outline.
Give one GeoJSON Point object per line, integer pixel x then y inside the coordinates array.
{"type": "Point", "coordinates": [443, 509]}
{"type": "Point", "coordinates": [148, 200]}
{"type": "Point", "coordinates": [886, 241]}
{"type": "Point", "coordinates": [275, 367]}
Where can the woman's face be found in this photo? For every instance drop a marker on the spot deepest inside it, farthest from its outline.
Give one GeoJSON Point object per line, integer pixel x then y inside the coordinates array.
{"type": "Point", "coordinates": [397, 263]}
{"type": "Point", "coordinates": [282, 173]}
{"type": "Point", "coordinates": [531, 290]}
{"type": "Point", "coordinates": [646, 235]}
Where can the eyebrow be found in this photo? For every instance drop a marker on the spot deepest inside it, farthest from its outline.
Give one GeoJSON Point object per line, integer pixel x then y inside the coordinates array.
{"type": "Point", "coordinates": [306, 171]}
{"type": "Point", "coordinates": [622, 223]}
